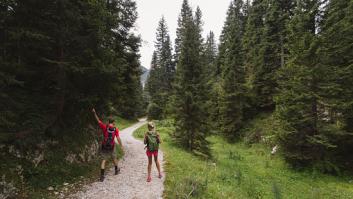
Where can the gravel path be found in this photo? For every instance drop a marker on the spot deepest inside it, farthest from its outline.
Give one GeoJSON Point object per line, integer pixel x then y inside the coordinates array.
{"type": "Point", "coordinates": [131, 182]}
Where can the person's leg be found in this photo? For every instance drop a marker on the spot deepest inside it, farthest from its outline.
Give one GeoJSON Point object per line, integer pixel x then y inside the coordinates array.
{"type": "Point", "coordinates": [149, 168]}
{"type": "Point", "coordinates": [103, 164]}
{"type": "Point", "coordinates": [115, 160]}
{"type": "Point", "coordinates": [102, 170]}
{"type": "Point", "coordinates": [117, 170]}
{"type": "Point", "coordinates": [158, 166]}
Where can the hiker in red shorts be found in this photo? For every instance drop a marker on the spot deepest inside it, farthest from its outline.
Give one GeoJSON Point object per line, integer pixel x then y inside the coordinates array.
{"type": "Point", "coordinates": [110, 132]}
{"type": "Point", "coordinates": [152, 141]}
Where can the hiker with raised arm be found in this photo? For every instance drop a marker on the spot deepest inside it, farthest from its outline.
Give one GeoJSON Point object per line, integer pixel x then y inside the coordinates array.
{"type": "Point", "coordinates": [110, 134]}
{"type": "Point", "coordinates": [152, 141]}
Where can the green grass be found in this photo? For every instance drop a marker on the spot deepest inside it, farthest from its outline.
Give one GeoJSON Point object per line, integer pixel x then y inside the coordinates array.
{"type": "Point", "coordinates": [122, 123]}
{"type": "Point", "coordinates": [241, 171]}
{"type": "Point", "coordinates": [54, 171]}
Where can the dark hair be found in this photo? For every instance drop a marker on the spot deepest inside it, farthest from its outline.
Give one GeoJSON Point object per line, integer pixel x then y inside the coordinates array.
{"type": "Point", "coordinates": [110, 120]}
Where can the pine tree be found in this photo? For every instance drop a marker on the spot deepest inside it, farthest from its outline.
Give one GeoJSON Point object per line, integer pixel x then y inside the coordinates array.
{"type": "Point", "coordinates": [63, 57]}
{"type": "Point", "coordinates": [164, 53]}
{"type": "Point", "coordinates": [336, 57]}
{"type": "Point", "coordinates": [212, 80]}
{"type": "Point", "coordinates": [165, 61]}
{"type": "Point", "coordinates": [272, 51]}
{"type": "Point", "coordinates": [253, 58]}
{"type": "Point", "coordinates": [190, 116]}
{"type": "Point", "coordinates": [123, 47]}
{"type": "Point", "coordinates": [199, 23]}
{"type": "Point", "coordinates": [9, 63]}
{"type": "Point", "coordinates": [162, 72]}
{"type": "Point", "coordinates": [186, 13]}
{"type": "Point", "coordinates": [233, 79]}
{"type": "Point", "coordinates": [224, 39]}
{"type": "Point", "coordinates": [298, 99]}
{"type": "Point", "coordinates": [152, 80]}
{"type": "Point", "coordinates": [210, 55]}
{"type": "Point", "coordinates": [153, 87]}
{"type": "Point", "coordinates": [58, 60]}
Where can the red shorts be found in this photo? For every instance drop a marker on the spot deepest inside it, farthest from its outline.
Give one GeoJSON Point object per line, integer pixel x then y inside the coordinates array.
{"type": "Point", "coordinates": [151, 153]}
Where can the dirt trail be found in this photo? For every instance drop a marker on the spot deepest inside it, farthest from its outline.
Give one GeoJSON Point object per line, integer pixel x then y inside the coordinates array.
{"type": "Point", "coordinates": [131, 182]}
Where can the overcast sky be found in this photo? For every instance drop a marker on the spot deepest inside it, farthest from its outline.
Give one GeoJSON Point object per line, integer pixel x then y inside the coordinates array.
{"type": "Point", "coordinates": [151, 11]}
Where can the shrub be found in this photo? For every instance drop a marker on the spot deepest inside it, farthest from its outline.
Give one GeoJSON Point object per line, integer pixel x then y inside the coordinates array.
{"type": "Point", "coordinates": [154, 111]}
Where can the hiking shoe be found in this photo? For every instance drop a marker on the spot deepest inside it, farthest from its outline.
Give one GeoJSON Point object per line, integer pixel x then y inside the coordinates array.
{"type": "Point", "coordinates": [117, 171]}
{"type": "Point", "coordinates": [101, 178]}
{"type": "Point", "coordinates": [149, 179]}
{"type": "Point", "coordinates": [160, 176]}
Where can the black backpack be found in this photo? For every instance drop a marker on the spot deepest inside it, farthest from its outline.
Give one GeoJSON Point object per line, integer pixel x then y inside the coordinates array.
{"type": "Point", "coordinates": [109, 143]}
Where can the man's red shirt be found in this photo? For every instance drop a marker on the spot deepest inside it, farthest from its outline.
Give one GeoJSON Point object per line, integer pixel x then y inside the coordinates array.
{"type": "Point", "coordinates": [105, 132]}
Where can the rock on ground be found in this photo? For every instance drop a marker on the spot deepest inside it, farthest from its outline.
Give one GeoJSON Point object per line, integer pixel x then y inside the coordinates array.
{"type": "Point", "coordinates": [131, 182]}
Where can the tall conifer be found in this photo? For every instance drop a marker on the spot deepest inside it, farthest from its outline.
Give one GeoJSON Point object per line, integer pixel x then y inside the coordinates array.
{"type": "Point", "coordinates": [185, 14]}
{"type": "Point", "coordinates": [298, 100]}
{"type": "Point", "coordinates": [162, 72]}
{"type": "Point", "coordinates": [272, 50]}
{"type": "Point", "coordinates": [190, 115]}
{"type": "Point", "coordinates": [336, 56]}
{"type": "Point", "coordinates": [233, 77]}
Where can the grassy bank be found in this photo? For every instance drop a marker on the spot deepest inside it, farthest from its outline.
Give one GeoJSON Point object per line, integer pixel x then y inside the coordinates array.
{"type": "Point", "coordinates": [241, 171]}
{"type": "Point", "coordinates": [32, 181]}
{"type": "Point", "coordinates": [122, 123]}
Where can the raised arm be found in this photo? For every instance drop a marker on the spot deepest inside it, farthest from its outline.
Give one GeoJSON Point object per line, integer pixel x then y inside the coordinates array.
{"type": "Point", "coordinates": [95, 115]}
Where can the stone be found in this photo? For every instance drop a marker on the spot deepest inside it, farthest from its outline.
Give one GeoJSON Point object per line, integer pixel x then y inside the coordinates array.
{"type": "Point", "coordinates": [50, 188]}
{"type": "Point", "coordinates": [8, 190]}
{"type": "Point", "coordinates": [41, 145]}
{"type": "Point", "coordinates": [82, 156]}
{"type": "Point", "coordinates": [39, 157]}
{"type": "Point", "coordinates": [274, 150]}
{"type": "Point", "coordinates": [11, 149]}
{"type": "Point", "coordinates": [19, 168]}
{"type": "Point", "coordinates": [71, 158]}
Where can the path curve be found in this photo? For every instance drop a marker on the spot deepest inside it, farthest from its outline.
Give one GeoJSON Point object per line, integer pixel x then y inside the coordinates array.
{"type": "Point", "coordinates": [131, 182]}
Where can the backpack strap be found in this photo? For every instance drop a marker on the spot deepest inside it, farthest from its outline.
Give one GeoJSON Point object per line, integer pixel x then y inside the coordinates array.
{"type": "Point", "coordinates": [146, 138]}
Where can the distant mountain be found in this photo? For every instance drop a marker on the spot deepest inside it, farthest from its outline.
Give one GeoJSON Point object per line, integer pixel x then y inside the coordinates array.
{"type": "Point", "coordinates": [144, 75]}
